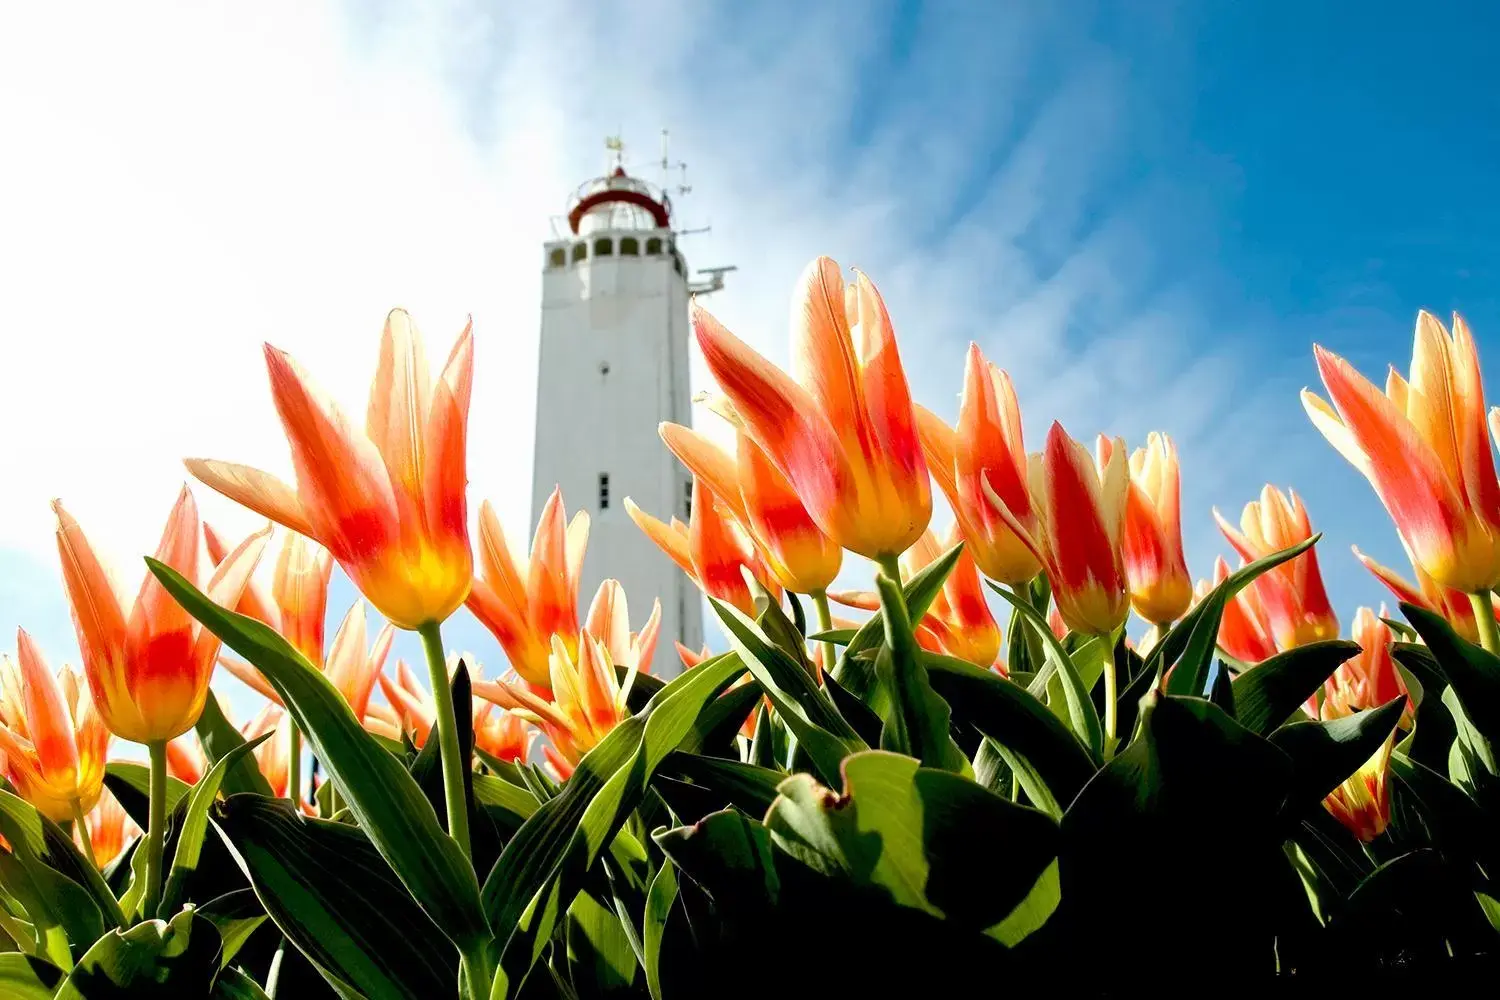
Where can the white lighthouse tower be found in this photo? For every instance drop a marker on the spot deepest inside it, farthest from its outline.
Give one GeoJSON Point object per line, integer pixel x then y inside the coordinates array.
{"type": "Point", "coordinates": [614, 365]}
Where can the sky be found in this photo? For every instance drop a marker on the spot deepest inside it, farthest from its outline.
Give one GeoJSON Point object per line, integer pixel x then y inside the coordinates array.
{"type": "Point", "coordinates": [1147, 213]}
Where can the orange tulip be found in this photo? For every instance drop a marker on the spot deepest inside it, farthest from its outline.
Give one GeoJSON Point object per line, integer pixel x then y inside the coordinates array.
{"type": "Point", "coordinates": [987, 447]}
{"type": "Point", "coordinates": [347, 666]}
{"type": "Point", "coordinates": [1363, 802]}
{"type": "Point", "coordinates": [1244, 632]}
{"type": "Point", "coordinates": [1292, 593]}
{"type": "Point", "coordinates": [525, 608]}
{"type": "Point", "coordinates": [711, 549]}
{"type": "Point", "coordinates": [51, 736]}
{"type": "Point", "coordinates": [501, 734]}
{"type": "Point", "coordinates": [794, 549]}
{"type": "Point", "coordinates": [411, 711]}
{"type": "Point", "coordinates": [1427, 593]}
{"type": "Point", "coordinates": [1423, 445]}
{"type": "Point", "coordinates": [148, 663]}
{"type": "Point", "coordinates": [109, 829]}
{"type": "Point", "coordinates": [273, 757]}
{"type": "Point", "coordinates": [1079, 532]}
{"type": "Point", "coordinates": [840, 429]}
{"type": "Point", "coordinates": [299, 592]}
{"type": "Point", "coordinates": [1160, 587]}
{"type": "Point", "coordinates": [388, 503]}
{"type": "Point", "coordinates": [186, 760]}
{"type": "Point", "coordinates": [1370, 679]}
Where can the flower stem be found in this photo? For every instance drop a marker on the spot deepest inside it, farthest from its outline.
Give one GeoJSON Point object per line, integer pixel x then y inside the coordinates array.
{"type": "Point", "coordinates": [1484, 617]}
{"type": "Point", "coordinates": [447, 732]}
{"type": "Point", "coordinates": [477, 973]}
{"type": "Point", "coordinates": [294, 767]}
{"type": "Point", "coordinates": [156, 827]}
{"type": "Point", "coordinates": [890, 565]}
{"type": "Point", "coordinates": [81, 828]}
{"type": "Point", "coordinates": [825, 623]}
{"type": "Point", "coordinates": [1111, 699]}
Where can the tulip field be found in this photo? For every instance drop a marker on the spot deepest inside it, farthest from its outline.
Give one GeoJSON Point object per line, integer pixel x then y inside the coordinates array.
{"type": "Point", "coordinates": [1133, 775]}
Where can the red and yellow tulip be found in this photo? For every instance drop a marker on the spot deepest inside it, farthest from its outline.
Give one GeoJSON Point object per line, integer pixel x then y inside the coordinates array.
{"type": "Point", "coordinates": [524, 607]}
{"type": "Point", "coordinates": [1427, 593]}
{"type": "Point", "coordinates": [800, 557]}
{"type": "Point", "coordinates": [410, 710]}
{"type": "Point", "coordinates": [1080, 530]}
{"type": "Point", "coordinates": [186, 760]}
{"type": "Point", "coordinates": [1292, 594]}
{"type": "Point", "coordinates": [1155, 566]}
{"type": "Point", "coordinates": [148, 662]}
{"type": "Point", "coordinates": [840, 428]}
{"type": "Point", "coordinates": [1424, 446]}
{"type": "Point", "coordinates": [1369, 679]}
{"type": "Point", "coordinates": [711, 549]}
{"type": "Point", "coordinates": [388, 502]}
{"type": "Point", "coordinates": [1363, 802]}
{"type": "Point", "coordinates": [52, 738]}
{"type": "Point", "coordinates": [987, 448]}
{"type": "Point", "coordinates": [1244, 631]}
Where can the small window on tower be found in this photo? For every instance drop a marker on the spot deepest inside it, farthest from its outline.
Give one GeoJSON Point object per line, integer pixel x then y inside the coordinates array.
{"type": "Point", "coordinates": [630, 247]}
{"type": "Point", "coordinates": [604, 368]}
{"type": "Point", "coordinates": [604, 491]}
{"type": "Point", "coordinates": [580, 252]}
{"type": "Point", "coordinates": [687, 499]}
{"type": "Point", "coordinates": [603, 247]}
{"type": "Point", "coordinates": [653, 247]}
{"type": "Point", "coordinates": [557, 258]}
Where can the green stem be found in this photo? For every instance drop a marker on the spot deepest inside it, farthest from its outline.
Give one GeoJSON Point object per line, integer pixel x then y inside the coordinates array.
{"type": "Point", "coordinates": [890, 565]}
{"type": "Point", "coordinates": [477, 973]}
{"type": "Point", "coordinates": [294, 767]}
{"type": "Point", "coordinates": [156, 828]}
{"type": "Point", "coordinates": [82, 827]}
{"type": "Point", "coordinates": [1111, 698]}
{"type": "Point", "coordinates": [334, 803]}
{"type": "Point", "coordinates": [825, 624]}
{"type": "Point", "coordinates": [1484, 617]}
{"type": "Point", "coordinates": [447, 731]}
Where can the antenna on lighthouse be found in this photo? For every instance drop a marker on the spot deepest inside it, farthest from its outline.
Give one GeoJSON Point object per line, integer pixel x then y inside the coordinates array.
{"type": "Point", "coordinates": [667, 166]}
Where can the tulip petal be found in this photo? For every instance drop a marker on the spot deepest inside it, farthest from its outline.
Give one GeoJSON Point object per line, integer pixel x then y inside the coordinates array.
{"type": "Point", "coordinates": [645, 640]}
{"type": "Point", "coordinates": [98, 616]}
{"type": "Point", "coordinates": [250, 677]}
{"type": "Point", "coordinates": [674, 543]}
{"type": "Point", "coordinates": [609, 620]}
{"type": "Point", "coordinates": [224, 588]}
{"type": "Point", "coordinates": [887, 398]}
{"type": "Point", "coordinates": [708, 462]}
{"type": "Point", "coordinates": [252, 488]}
{"type": "Point", "coordinates": [48, 722]}
{"type": "Point", "coordinates": [400, 399]}
{"type": "Point", "coordinates": [1337, 434]}
{"type": "Point", "coordinates": [823, 360]}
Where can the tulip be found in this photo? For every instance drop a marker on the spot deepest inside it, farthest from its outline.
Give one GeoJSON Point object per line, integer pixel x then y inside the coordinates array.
{"type": "Point", "coordinates": [799, 556]}
{"type": "Point", "coordinates": [711, 549]}
{"type": "Point", "coordinates": [1244, 632]}
{"type": "Point", "coordinates": [1363, 802]}
{"type": "Point", "coordinates": [1423, 445]}
{"type": "Point", "coordinates": [986, 448]}
{"type": "Point", "coordinates": [185, 758]}
{"type": "Point", "coordinates": [108, 829]}
{"type": "Point", "coordinates": [388, 503]}
{"type": "Point", "coordinates": [525, 607]}
{"type": "Point", "coordinates": [299, 593]}
{"type": "Point", "coordinates": [841, 428]}
{"type": "Point", "coordinates": [1369, 679]}
{"type": "Point", "coordinates": [1292, 593]}
{"type": "Point", "coordinates": [53, 740]}
{"type": "Point", "coordinates": [1454, 605]}
{"type": "Point", "coordinates": [1160, 587]}
{"type": "Point", "coordinates": [347, 665]}
{"type": "Point", "coordinates": [501, 734]}
{"type": "Point", "coordinates": [412, 712]}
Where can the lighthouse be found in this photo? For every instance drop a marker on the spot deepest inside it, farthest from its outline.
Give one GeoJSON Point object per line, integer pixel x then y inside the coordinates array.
{"type": "Point", "coordinates": [613, 365]}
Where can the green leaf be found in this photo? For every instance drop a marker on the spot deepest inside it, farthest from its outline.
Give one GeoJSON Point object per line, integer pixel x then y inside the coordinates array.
{"type": "Point", "coordinates": [25, 978]}
{"type": "Point", "coordinates": [154, 959]}
{"type": "Point", "coordinates": [659, 900]}
{"type": "Point", "coordinates": [837, 636]}
{"type": "Point", "coordinates": [744, 786]}
{"type": "Point", "coordinates": [235, 985]}
{"type": "Point", "coordinates": [131, 784]}
{"type": "Point", "coordinates": [1454, 821]}
{"type": "Point", "coordinates": [335, 897]}
{"type": "Point", "coordinates": [57, 852]}
{"type": "Point", "coordinates": [195, 825]}
{"type": "Point", "coordinates": [1433, 729]}
{"type": "Point", "coordinates": [1267, 694]}
{"type": "Point", "coordinates": [1326, 753]}
{"type": "Point", "coordinates": [920, 591]}
{"type": "Point", "coordinates": [918, 723]}
{"type": "Point", "coordinates": [600, 959]}
{"type": "Point", "coordinates": [726, 852]}
{"type": "Point", "coordinates": [1473, 672]}
{"type": "Point", "coordinates": [219, 737]}
{"type": "Point", "coordinates": [1033, 911]}
{"type": "Point", "coordinates": [1080, 705]}
{"type": "Point", "coordinates": [384, 799]}
{"type": "Point", "coordinates": [863, 719]}
{"type": "Point", "coordinates": [721, 720]}
{"type": "Point", "coordinates": [1018, 723]}
{"type": "Point", "coordinates": [236, 915]}
{"type": "Point", "coordinates": [62, 910]}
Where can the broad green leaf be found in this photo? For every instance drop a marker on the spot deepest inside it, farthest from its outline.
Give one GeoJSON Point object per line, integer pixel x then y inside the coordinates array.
{"type": "Point", "coordinates": [659, 900]}
{"type": "Point", "coordinates": [1033, 911]}
{"type": "Point", "coordinates": [236, 915]}
{"type": "Point", "coordinates": [25, 978]}
{"type": "Point", "coordinates": [721, 720]}
{"type": "Point", "coordinates": [837, 636]}
{"type": "Point", "coordinates": [494, 793]}
{"type": "Point", "coordinates": [219, 737]}
{"type": "Point", "coordinates": [853, 671]}
{"type": "Point", "coordinates": [1473, 672]}
{"type": "Point", "coordinates": [1326, 753]}
{"type": "Point", "coordinates": [727, 852]}
{"type": "Point", "coordinates": [1267, 694]}
{"type": "Point", "coordinates": [1020, 724]}
{"type": "Point", "coordinates": [600, 959]}
{"type": "Point", "coordinates": [36, 839]}
{"type": "Point", "coordinates": [195, 825]}
{"type": "Point", "coordinates": [384, 799]}
{"type": "Point", "coordinates": [61, 910]}
{"type": "Point", "coordinates": [744, 786]}
{"type": "Point", "coordinates": [233, 984]}
{"type": "Point", "coordinates": [863, 719]}
{"type": "Point", "coordinates": [918, 723]}
{"type": "Point", "coordinates": [1080, 705]}
{"type": "Point", "coordinates": [131, 784]}
{"type": "Point", "coordinates": [154, 959]}
{"type": "Point", "coordinates": [1455, 822]}
{"type": "Point", "coordinates": [335, 897]}
{"type": "Point", "coordinates": [1434, 729]}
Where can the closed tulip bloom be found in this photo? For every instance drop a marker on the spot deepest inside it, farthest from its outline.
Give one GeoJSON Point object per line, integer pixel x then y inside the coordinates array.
{"type": "Point", "coordinates": [759, 497]}
{"type": "Point", "coordinates": [840, 428]}
{"type": "Point", "coordinates": [525, 606]}
{"type": "Point", "coordinates": [711, 549]}
{"type": "Point", "coordinates": [1296, 603]}
{"type": "Point", "coordinates": [53, 741]}
{"type": "Point", "coordinates": [1244, 631]}
{"type": "Point", "coordinates": [987, 448]}
{"type": "Point", "coordinates": [1160, 587]}
{"type": "Point", "coordinates": [148, 662]}
{"type": "Point", "coordinates": [609, 622]}
{"type": "Point", "coordinates": [1454, 605]}
{"type": "Point", "coordinates": [348, 666]}
{"type": "Point", "coordinates": [1423, 445]}
{"type": "Point", "coordinates": [1363, 802]}
{"type": "Point", "coordinates": [1080, 531]}
{"type": "Point", "coordinates": [388, 502]}
{"type": "Point", "coordinates": [109, 829]}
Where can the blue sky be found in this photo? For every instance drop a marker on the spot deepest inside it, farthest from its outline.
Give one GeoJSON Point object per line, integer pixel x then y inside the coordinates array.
{"type": "Point", "coordinates": [1146, 212]}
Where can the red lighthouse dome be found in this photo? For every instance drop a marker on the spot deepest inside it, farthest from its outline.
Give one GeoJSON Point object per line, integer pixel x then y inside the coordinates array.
{"type": "Point", "coordinates": [618, 201]}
